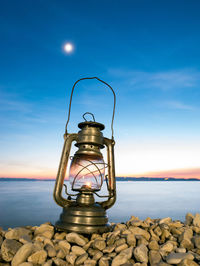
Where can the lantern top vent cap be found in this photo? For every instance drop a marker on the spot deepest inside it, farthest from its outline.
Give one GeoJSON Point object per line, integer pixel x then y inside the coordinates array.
{"type": "Point", "coordinates": [91, 124]}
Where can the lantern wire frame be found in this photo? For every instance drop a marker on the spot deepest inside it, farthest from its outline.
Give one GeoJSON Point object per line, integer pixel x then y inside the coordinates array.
{"type": "Point", "coordinates": [92, 172]}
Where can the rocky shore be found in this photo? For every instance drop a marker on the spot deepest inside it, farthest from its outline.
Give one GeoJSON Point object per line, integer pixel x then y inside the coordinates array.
{"type": "Point", "coordinates": [155, 242]}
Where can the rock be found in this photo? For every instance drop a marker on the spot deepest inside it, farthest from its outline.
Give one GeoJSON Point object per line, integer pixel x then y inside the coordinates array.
{"type": "Point", "coordinates": [131, 240]}
{"type": "Point", "coordinates": [97, 255]}
{"type": "Point", "coordinates": [76, 238]}
{"type": "Point", "coordinates": [123, 257]}
{"type": "Point", "coordinates": [39, 257]}
{"type": "Point", "coordinates": [186, 243]}
{"type": "Point", "coordinates": [141, 232]}
{"type": "Point", "coordinates": [90, 262]}
{"type": "Point", "coordinates": [99, 244]}
{"type": "Point", "coordinates": [176, 258]}
{"type": "Point", "coordinates": [40, 230]}
{"type": "Point", "coordinates": [65, 246]}
{"type": "Point", "coordinates": [140, 253]}
{"type": "Point", "coordinates": [196, 221]}
{"type": "Point", "coordinates": [187, 262]}
{"type": "Point", "coordinates": [17, 233]}
{"type": "Point", "coordinates": [26, 264]}
{"type": "Point", "coordinates": [88, 245]}
{"type": "Point", "coordinates": [81, 259]}
{"type": "Point", "coordinates": [51, 252]}
{"type": "Point", "coordinates": [197, 241]}
{"type": "Point", "coordinates": [59, 262]}
{"type": "Point", "coordinates": [25, 239]}
{"type": "Point", "coordinates": [187, 234]}
{"type": "Point", "coordinates": [121, 247]}
{"type": "Point", "coordinates": [9, 248]}
{"type": "Point", "coordinates": [22, 254]}
{"type": "Point", "coordinates": [158, 231]}
{"type": "Point", "coordinates": [154, 257]}
{"type": "Point", "coordinates": [78, 250]}
{"type": "Point", "coordinates": [166, 220]}
{"type": "Point", "coordinates": [180, 250]}
{"type": "Point", "coordinates": [120, 227]}
{"type": "Point", "coordinates": [60, 236]}
{"type": "Point", "coordinates": [153, 245]}
{"type": "Point", "coordinates": [61, 254]}
{"type": "Point", "coordinates": [1, 240]}
{"type": "Point", "coordinates": [167, 247]}
{"type": "Point", "coordinates": [71, 258]}
{"type": "Point", "coordinates": [48, 263]}
{"type": "Point", "coordinates": [189, 218]}
{"type": "Point", "coordinates": [104, 261]}
{"type": "Point", "coordinates": [109, 249]}
{"type": "Point", "coordinates": [120, 241]}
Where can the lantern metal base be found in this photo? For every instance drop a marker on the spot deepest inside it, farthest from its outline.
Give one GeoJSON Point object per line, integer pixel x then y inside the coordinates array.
{"type": "Point", "coordinates": [84, 219]}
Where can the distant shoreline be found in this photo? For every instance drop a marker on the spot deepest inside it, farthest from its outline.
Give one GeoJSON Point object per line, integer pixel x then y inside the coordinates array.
{"type": "Point", "coordinates": [121, 179]}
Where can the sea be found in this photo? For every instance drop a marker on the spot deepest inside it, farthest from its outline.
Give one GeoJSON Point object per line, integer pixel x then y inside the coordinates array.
{"type": "Point", "coordinates": [31, 202]}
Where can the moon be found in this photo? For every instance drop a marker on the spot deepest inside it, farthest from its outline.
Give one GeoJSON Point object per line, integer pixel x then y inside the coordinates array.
{"type": "Point", "coordinates": [68, 47]}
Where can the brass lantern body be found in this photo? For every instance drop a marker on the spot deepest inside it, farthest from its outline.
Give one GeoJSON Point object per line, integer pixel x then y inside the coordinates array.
{"type": "Point", "coordinates": [84, 215]}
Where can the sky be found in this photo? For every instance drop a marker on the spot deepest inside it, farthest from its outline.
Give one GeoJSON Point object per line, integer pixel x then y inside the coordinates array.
{"type": "Point", "coordinates": [148, 51]}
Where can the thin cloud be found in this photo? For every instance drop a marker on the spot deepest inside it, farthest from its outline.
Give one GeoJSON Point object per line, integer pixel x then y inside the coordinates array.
{"type": "Point", "coordinates": [167, 80]}
{"type": "Point", "coordinates": [178, 105]}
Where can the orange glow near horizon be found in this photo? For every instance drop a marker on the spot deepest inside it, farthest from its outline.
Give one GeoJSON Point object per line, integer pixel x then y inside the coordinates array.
{"type": "Point", "coordinates": [176, 173]}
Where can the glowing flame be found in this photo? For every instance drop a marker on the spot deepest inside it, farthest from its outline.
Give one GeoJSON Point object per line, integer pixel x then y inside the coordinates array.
{"type": "Point", "coordinates": [88, 184]}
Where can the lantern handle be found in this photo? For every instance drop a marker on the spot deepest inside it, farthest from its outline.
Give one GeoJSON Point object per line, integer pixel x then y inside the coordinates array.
{"type": "Point", "coordinates": [70, 103]}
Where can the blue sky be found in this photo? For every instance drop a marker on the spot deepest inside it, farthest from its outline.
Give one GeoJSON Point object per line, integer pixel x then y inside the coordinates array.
{"type": "Point", "coordinates": [147, 50]}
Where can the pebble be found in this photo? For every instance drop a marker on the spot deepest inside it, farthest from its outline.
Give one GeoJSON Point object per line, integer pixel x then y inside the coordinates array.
{"type": "Point", "coordinates": [39, 257]}
{"type": "Point", "coordinates": [141, 253]}
{"type": "Point", "coordinates": [22, 254]}
{"type": "Point", "coordinates": [76, 238]}
{"type": "Point", "coordinates": [176, 258]}
{"type": "Point", "coordinates": [155, 242]}
{"type": "Point", "coordinates": [9, 248]}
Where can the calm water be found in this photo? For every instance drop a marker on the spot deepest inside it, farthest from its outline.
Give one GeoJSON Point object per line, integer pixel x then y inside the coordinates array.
{"type": "Point", "coordinates": [31, 202]}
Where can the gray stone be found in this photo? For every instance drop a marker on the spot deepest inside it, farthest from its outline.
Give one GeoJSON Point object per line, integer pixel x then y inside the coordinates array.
{"type": "Point", "coordinates": [141, 253]}
{"type": "Point", "coordinates": [196, 221]}
{"type": "Point", "coordinates": [9, 248]}
{"type": "Point", "coordinates": [78, 250]}
{"type": "Point", "coordinates": [176, 258]}
{"type": "Point", "coordinates": [22, 254]}
{"type": "Point", "coordinates": [76, 238]}
{"type": "Point", "coordinates": [17, 233]}
{"type": "Point", "coordinates": [123, 257]}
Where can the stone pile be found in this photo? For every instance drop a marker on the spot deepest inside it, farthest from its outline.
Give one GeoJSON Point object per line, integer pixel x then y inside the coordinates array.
{"type": "Point", "coordinates": [152, 242]}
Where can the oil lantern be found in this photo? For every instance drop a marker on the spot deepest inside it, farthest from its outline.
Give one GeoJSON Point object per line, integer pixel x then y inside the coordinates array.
{"type": "Point", "coordinates": [87, 171]}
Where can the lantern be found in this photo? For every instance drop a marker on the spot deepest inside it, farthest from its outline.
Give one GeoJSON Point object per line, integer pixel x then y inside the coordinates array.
{"type": "Point", "coordinates": [87, 172]}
